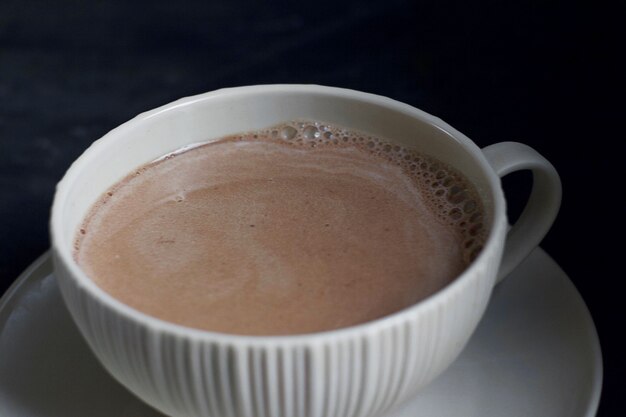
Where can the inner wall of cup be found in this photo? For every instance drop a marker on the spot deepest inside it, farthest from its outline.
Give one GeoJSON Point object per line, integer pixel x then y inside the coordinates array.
{"type": "Point", "coordinates": [211, 117]}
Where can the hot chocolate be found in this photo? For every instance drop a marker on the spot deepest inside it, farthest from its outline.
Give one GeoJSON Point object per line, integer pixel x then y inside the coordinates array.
{"type": "Point", "coordinates": [297, 228]}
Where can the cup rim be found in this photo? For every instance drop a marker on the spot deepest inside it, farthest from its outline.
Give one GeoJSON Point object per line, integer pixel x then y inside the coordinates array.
{"type": "Point", "coordinates": [61, 253]}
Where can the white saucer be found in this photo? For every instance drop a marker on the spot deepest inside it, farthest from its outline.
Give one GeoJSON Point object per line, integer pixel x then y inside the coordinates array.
{"type": "Point", "coordinates": [536, 353]}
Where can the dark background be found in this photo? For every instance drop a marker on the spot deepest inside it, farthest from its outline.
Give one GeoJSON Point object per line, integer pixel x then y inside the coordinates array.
{"type": "Point", "coordinates": [539, 72]}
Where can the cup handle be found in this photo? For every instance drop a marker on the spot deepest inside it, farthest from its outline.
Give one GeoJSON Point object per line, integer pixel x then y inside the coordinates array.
{"type": "Point", "coordinates": [541, 208]}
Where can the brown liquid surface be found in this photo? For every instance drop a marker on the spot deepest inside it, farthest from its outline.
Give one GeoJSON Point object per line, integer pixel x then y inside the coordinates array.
{"type": "Point", "coordinates": [260, 234]}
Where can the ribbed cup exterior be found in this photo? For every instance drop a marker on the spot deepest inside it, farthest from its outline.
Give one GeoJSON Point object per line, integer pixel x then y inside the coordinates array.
{"type": "Point", "coordinates": [355, 372]}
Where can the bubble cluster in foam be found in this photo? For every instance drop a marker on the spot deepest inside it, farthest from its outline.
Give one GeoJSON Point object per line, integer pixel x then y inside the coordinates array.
{"type": "Point", "coordinates": [446, 192]}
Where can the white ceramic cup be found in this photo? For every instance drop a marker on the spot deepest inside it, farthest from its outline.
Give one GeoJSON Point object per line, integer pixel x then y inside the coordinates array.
{"type": "Point", "coordinates": [362, 370]}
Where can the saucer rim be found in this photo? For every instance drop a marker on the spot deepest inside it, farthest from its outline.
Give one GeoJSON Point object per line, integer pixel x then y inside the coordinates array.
{"type": "Point", "coordinates": [43, 266]}
{"type": "Point", "coordinates": [22, 279]}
